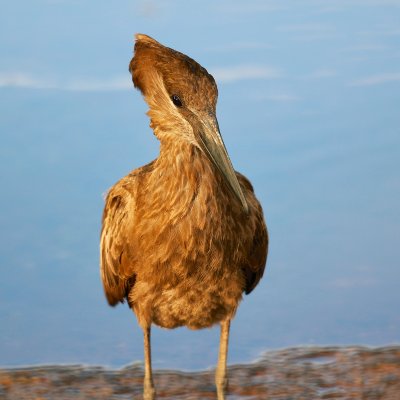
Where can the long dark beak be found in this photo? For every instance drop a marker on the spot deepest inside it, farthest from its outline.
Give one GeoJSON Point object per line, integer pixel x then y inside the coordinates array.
{"type": "Point", "coordinates": [210, 141]}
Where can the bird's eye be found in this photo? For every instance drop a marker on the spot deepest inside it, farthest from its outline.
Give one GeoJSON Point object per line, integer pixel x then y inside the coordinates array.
{"type": "Point", "coordinates": [176, 100]}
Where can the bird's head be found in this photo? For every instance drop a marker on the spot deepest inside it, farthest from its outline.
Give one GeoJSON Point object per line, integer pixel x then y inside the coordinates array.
{"type": "Point", "coordinates": [182, 97]}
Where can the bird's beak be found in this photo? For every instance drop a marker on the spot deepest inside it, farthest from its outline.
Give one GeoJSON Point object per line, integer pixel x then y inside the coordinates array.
{"type": "Point", "coordinates": [210, 141]}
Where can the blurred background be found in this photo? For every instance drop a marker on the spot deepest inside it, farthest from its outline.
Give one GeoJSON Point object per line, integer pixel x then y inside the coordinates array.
{"type": "Point", "coordinates": [309, 111]}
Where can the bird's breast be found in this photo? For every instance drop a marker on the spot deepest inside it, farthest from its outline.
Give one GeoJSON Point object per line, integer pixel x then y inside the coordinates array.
{"type": "Point", "coordinates": [190, 244]}
{"type": "Point", "coordinates": [191, 224]}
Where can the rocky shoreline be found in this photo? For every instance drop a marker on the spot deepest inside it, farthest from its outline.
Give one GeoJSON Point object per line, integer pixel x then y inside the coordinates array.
{"type": "Point", "coordinates": [308, 373]}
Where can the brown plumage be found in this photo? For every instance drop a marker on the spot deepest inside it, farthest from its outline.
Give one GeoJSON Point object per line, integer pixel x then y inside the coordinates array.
{"type": "Point", "coordinates": [184, 236]}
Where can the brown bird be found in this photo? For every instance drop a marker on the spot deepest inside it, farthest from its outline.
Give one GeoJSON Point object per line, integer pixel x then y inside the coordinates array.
{"type": "Point", "coordinates": [183, 236]}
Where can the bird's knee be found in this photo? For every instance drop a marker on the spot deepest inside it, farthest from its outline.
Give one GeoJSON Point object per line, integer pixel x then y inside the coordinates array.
{"type": "Point", "coordinates": [221, 381]}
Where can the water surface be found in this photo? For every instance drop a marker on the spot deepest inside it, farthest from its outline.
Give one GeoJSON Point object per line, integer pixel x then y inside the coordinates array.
{"type": "Point", "coordinates": [309, 111]}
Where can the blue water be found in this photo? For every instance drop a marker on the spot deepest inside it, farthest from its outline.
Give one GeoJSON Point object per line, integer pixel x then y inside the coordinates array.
{"type": "Point", "coordinates": [309, 110]}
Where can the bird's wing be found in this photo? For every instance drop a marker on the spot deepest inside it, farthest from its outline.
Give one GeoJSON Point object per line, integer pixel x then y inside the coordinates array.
{"type": "Point", "coordinates": [113, 244]}
{"type": "Point", "coordinates": [254, 270]}
{"type": "Point", "coordinates": [254, 267]}
{"type": "Point", "coordinates": [117, 252]}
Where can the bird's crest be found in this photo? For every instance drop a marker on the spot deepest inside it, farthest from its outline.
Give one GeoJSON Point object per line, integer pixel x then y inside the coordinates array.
{"type": "Point", "coordinates": [177, 71]}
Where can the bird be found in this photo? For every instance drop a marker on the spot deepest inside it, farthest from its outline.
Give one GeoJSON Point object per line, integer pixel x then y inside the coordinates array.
{"type": "Point", "coordinates": [183, 237]}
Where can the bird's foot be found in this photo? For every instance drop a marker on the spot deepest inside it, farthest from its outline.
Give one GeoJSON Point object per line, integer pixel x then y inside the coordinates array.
{"type": "Point", "coordinates": [149, 392]}
{"type": "Point", "coordinates": [221, 382]}
{"type": "Point", "coordinates": [221, 393]}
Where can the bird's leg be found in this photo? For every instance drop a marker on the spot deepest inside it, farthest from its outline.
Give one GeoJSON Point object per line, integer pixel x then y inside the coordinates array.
{"type": "Point", "coordinates": [221, 379]}
{"type": "Point", "coordinates": [148, 387]}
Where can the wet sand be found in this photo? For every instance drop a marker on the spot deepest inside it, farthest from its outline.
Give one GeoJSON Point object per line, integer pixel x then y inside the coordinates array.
{"type": "Point", "coordinates": [308, 373]}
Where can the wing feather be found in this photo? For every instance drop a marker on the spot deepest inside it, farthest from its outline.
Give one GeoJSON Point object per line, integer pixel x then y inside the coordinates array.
{"type": "Point", "coordinates": [113, 244]}
{"type": "Point", "coordinates": [117, 251]}
{"type": "Point", "coordinates": [254, 267]}
{"type": "Point", "coordinates": [254, 270]}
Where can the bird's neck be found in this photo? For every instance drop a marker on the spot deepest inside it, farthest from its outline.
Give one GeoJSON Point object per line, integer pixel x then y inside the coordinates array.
{"type": "Point", "coordinates": [184, 178]}
{"type": "Point", "coordinates": [184, 163]}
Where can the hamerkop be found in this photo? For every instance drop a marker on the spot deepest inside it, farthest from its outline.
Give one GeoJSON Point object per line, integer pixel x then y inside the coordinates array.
{"type": "Point", "coordinates": [183, 236]}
